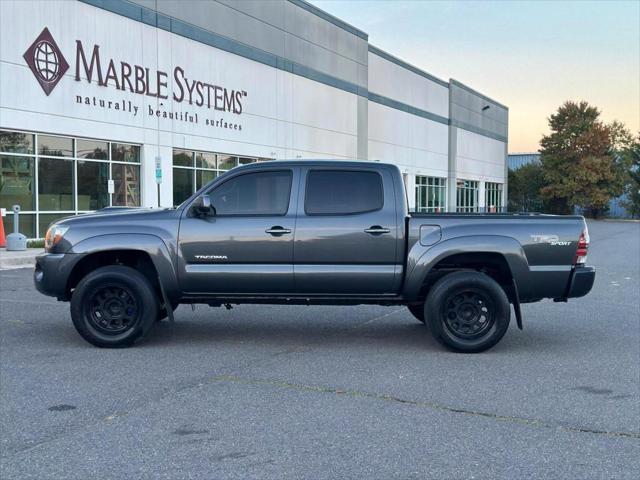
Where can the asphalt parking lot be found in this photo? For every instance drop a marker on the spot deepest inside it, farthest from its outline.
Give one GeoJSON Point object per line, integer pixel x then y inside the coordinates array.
{"type": "Point", "coordinates": [328, 392]}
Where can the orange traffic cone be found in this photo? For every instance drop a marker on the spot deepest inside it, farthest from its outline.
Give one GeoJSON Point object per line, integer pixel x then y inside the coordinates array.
{"type": "Point", "coordinates": [3, 241]}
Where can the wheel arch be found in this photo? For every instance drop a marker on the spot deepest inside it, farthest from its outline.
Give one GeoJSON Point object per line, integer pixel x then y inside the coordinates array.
{"type": "Point", "coordinates": [502, 258]}
{"type": "Point", "coordinates": [146, 253]}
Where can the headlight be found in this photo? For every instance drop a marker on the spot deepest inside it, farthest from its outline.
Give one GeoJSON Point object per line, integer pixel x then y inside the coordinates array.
{"type": "Point", "coordinates": [54, 235]}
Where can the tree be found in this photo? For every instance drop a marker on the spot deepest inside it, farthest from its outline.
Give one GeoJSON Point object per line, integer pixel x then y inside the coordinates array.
{"type": "Point", "coordinates": [632, 202]}
{"type": "Point", "coordinates": [525, 184]}
{"type": "Point", "coordinates": [580, 163]}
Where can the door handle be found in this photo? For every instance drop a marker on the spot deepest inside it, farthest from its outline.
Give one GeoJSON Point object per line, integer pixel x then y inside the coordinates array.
{"type": "Point", "coordinates": [376, 230]}
{"type": "Point", "coordinates": [277, 230]}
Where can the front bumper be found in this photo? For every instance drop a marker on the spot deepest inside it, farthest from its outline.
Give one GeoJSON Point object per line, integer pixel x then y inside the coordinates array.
{"type": "Point", "coordinates": [581, 281]}
{"type": "Point", "coordinates": [52, 272]}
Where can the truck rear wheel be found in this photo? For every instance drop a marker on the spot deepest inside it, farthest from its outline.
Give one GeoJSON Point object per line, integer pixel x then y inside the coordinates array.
{"type": "Point", "coordinates": [417, 311]}
{"type": "Point", "coordinates": [468, 311]}
{"type": "Point", "coordinates": [113, 306]}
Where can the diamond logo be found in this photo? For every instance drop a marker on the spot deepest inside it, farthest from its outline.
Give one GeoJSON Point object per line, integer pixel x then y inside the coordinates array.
{"type": "Point", "coordinates": [46, 61]}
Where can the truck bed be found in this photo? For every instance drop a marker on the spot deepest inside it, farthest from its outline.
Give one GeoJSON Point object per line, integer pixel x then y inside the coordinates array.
{"type": "Point", "coordinates": [538, 249]}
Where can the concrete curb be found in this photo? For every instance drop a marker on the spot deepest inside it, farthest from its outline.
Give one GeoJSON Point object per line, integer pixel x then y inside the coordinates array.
{"type": "Point", "coordinates": [23, 259]}
{"type": "Point", "coordinates": [626, 220]}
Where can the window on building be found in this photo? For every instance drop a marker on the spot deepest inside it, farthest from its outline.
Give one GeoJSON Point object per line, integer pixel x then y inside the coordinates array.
{"type": "Point", "coordinates": [343, 192]}
{"type": "Point", "coordinates": [203, 177]}
{"type": "Point", "coordinates": [227, 162]}
{"type": "Point", "coordinates": [431, 194]}
{"type": "Point", "coordinates": [93, 178]}
{"type": "Point", "coordinates": [18, 182]}
{"type": "Point", "coordinates": [126, 185]}
{"type": "Point", "coordinates": [122, 152]}
{"type": "Point", "coordinates": [55, 146]}
{"type": "Point", "coordinates": [192, 170]}
{"type": "Point", "coordinates": [493, 197]}
{"type": "Point", "coordinates": [259, 193]}
{"type": "Point", "coordinates": [51, 177]}
{"type": "Point", "coordinates": [55, 184]}
{"type": "Point", "coordinates": [467, 196]}
{"type": "Point", "coordinates": [16, 142]}
{"type": "Point", "coordinates": [92, 149]}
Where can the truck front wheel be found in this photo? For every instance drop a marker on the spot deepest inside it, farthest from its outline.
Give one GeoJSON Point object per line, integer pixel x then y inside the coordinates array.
{"type": "Point", "coordinates": [467, 311]}
{"type": "Point", "coordinates": [113, 306]}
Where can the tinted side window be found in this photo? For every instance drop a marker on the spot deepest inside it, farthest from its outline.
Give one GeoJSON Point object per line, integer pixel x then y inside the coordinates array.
{"type": "Point", "coordinates": [261, 193]}
{"type": "Point", "coordinates": [342, 192]}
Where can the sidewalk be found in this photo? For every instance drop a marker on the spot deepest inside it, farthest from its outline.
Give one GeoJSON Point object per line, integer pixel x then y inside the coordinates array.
{"type": "Point", "coordinates": [23, 259]}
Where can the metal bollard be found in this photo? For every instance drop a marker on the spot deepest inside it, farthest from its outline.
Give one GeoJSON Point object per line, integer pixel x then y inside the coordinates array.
{"type": "Point", "coordinates": [16, 241]}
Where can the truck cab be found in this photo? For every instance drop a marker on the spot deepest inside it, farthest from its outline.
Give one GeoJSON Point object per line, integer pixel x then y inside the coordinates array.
{"type": "Point", "coordinates": [293, 229]}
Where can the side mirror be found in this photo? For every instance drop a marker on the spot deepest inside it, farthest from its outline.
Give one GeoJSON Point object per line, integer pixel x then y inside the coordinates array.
{"type": "Point", "coordinates": [202, 206]}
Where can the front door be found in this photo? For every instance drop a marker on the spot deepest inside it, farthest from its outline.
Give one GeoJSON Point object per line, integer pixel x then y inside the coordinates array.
{"type": "Point", "coordinates": [347, 232]}
{"type": "Point", "coordinates": [246, 245]}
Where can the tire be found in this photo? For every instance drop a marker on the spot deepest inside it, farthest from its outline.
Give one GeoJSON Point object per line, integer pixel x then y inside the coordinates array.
{"type": "Point", "coordinates": [417, 311]}
{"type": "Point", "coordinates": [114, 306]}
{"type": "Point", "coordinates": [467, 312]}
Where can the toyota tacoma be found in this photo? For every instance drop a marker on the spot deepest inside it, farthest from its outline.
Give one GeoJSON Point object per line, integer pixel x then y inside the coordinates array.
{"type": "Point", "coordinates": [311, 232]}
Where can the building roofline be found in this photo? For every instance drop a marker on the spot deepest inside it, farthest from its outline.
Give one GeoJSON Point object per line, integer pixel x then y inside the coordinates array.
{"type": "Point", "coordinates": [455, 82]}
{"type": "Point", "coordinates": [330, 18]}
{"type": "Point", "coordinates": [412, 68]}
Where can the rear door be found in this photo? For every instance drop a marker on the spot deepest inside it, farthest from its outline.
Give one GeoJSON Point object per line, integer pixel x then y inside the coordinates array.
{"type": "Point", "coordinates": [347, 232]}
{"type": "Point", "coordinates": [247, 246]}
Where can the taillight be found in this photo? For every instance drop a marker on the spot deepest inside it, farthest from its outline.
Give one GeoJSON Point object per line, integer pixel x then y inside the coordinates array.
{"type": "Point", "coordinates": [583, 246]}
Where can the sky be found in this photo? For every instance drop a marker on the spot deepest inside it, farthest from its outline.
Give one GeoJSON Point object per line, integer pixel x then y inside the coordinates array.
{"type": "Point", "coordinates": [529, 55]}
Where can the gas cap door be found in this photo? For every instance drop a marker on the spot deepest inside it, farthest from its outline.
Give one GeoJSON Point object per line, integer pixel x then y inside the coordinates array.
{"type": "Point", "coordinates": [430, 235]}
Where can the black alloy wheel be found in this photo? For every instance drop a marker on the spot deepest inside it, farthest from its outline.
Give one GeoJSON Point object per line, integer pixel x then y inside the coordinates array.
{"type": "Point", "coordinates": [114, 306]}
{"type": "Point", "coordinates": [467, 311]}
{"type": "Point", "coordinates": [112, 309]}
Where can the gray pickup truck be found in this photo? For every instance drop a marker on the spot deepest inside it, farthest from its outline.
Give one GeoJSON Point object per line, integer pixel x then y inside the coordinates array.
{"type": "Point", "coordinates": [311, 232]}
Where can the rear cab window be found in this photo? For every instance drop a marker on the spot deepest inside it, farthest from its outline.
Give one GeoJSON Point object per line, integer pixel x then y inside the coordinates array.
{"type": "Point", "coordinates": [343, 192]}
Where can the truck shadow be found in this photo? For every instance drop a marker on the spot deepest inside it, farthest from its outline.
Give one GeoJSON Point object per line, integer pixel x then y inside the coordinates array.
{"type": "Point", "coordinates": [274, 333]}
{"type": "Point", "coordinates": [402, 332]}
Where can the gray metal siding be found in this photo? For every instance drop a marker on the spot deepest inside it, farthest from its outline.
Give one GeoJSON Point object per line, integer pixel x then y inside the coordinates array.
{"type": "Point", "coordinates": [466, 112]}
{"type": "Point", "coordinates": [518, 160]}
{"type": "Point", "coordinates": [297, 37]}
{"type": "Point", "coordinates": [278, 27]}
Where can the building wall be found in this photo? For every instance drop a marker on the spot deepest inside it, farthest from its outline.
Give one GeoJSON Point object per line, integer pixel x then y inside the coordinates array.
{"type": "Point", "coordinates": [478, 139]}
{"type": "Point", "coordinates": [518, 160]}
{"type": "Point", "coordinates": [408, 118]}
{"type": "Point", "coordinates": [291, 30]}
{"type": "Point", "coordinates": [311, 86]}
{"type": "Point", "coordinates": [391, 78]}
{"type": "Point", "coordinates": [274, 125]}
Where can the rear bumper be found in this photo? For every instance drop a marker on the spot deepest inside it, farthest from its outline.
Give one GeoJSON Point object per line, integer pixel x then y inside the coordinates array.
{"type": "Point", "coordinates": [581, 281]}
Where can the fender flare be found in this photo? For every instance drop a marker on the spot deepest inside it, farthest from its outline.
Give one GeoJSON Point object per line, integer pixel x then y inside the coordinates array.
{"type": "Point", "coordinates": [421, 262]}
{"type": "Point", "coordinates": [153, 245]}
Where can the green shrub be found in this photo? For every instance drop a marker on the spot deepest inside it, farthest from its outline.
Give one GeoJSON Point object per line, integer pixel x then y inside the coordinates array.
{"type": "Point", "coordinates": [35, 243]}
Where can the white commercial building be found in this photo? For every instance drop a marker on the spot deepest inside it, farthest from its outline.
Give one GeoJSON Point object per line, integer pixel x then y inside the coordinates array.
{"type": "Point", "coordinates": [141, 102]}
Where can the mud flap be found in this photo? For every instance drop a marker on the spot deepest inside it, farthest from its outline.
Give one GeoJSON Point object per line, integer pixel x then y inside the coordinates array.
{"type": "Point", "coordinates": [516, 304]}
{"type": "Point", "coordinates": [167, 304]}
